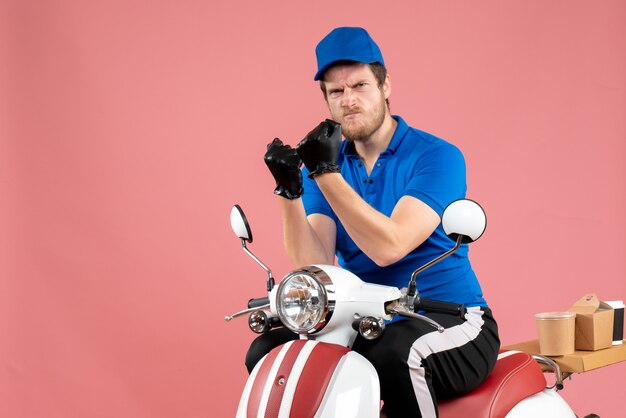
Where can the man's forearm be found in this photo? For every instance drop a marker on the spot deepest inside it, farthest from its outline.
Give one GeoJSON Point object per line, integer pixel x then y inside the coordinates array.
{"type": "Point", "coordinates": [302, 243]}
{"type": "Point", "coordinates": [384, 239]}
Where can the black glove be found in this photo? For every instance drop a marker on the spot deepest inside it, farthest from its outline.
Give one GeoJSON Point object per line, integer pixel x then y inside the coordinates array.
{"type": "Point", "coordinates": [284, 164]}
{"type": "Point", "coordinates": [319, 149]}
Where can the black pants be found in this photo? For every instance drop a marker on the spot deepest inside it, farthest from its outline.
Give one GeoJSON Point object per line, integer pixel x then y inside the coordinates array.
{"type": "Point", "coordinates": [416, 364]}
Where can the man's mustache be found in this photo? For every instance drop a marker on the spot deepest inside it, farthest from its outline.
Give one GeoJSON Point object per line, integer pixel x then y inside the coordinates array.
{"type": "Point", "coordinates": [352, 111]}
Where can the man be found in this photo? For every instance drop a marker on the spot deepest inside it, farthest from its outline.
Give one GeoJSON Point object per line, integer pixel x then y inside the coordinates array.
{"type": "Point", "coordinates": [375, 201]}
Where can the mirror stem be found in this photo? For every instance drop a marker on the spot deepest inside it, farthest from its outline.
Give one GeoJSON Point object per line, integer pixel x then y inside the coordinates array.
{"type": "Point", "coordinates": [270, 278]}
{"type": "Point", "coordinates": [412, 288]}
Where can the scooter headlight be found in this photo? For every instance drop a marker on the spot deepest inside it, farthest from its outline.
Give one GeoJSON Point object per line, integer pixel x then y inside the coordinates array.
{"type": "Point", "coordinates": [302, 301]}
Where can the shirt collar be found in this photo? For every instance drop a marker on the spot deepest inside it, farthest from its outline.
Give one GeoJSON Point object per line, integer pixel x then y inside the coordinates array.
{"type": "Point", "coordinates": [398, 135]}
{"type": "Point", "coordinates": [401, 129]}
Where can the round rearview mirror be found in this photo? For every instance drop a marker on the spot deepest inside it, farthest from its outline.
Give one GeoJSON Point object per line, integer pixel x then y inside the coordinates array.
{"type": "Point", "coordinates": [464, 217]}
{"type": "Point", "coordinates": [239, 224]}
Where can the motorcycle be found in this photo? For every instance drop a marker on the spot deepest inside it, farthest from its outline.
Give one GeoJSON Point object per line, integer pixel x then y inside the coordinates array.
{"type": "Point", "coordinates": [319, 376]}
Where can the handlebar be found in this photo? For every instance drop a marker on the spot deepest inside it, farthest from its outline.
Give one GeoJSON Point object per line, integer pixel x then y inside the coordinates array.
{"type": "Point", "coordinates": [258, 302]}
{"type": "Point", "coordinates": [432, 305]}
{"type": "Point", "coordinates": [253, 305]}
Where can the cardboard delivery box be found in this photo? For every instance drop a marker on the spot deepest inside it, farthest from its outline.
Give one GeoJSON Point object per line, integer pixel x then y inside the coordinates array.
{"type": "Point", "coordinates": [594, 323]}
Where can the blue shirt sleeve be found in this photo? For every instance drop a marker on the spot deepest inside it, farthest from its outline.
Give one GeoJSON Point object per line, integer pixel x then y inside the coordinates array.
{"type": "Point", "coordinates": [439, 177]}
{"type": "Point", "coordinates": [313, 199]}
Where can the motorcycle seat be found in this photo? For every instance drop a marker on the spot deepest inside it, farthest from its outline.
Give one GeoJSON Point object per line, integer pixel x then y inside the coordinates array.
{"type": "Point", "coordinates": [515, 376]}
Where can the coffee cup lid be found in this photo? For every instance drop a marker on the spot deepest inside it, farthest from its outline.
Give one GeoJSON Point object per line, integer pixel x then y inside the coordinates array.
{"type": "Point", "coordinates": [553, 316]}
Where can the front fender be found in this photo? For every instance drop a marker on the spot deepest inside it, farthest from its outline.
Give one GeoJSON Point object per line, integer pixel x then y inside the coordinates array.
{"type": "Point", "coordinates": [311, 379]}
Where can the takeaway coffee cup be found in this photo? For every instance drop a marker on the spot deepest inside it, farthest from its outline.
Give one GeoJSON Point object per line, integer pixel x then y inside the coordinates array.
{"type": "Point", "coordinates": [618, 321]}
{"type": "Point", "coordinates": [556, 331]}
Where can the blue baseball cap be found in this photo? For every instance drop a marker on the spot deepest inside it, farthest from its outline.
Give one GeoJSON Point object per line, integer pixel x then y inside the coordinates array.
{"type": "Point", "coordinates": [346, 44]}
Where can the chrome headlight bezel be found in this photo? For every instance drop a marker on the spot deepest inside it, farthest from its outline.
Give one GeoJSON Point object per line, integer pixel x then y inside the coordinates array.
{"type": "Point", "coordinates": [319, 282]}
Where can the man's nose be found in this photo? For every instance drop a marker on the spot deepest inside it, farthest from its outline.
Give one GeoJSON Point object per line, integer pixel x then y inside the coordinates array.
{"type": "Point", "coordinates": [349, 98]}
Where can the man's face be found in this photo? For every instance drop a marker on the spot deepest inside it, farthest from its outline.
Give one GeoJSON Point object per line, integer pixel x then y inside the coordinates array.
{"type": "Point", "coordinates": [355, 100]}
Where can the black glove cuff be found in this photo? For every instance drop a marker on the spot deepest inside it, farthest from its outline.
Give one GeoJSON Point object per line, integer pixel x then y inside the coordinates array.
{"type": "Point", "coordinates": [281, 191]}
{"type": "Point", "coordinates": [324, 167]}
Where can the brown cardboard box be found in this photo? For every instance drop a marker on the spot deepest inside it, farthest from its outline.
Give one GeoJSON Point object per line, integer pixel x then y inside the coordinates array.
{"type": "Point", "coordinates": [578, 361]}
{"type": "Point", "coordinates": [594, 323]}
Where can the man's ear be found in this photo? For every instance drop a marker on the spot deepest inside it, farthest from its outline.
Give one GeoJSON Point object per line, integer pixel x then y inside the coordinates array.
{"type": "Point", "coordinates": [387, 86]}
{"type": "Point", "coordinates": [323, 89]}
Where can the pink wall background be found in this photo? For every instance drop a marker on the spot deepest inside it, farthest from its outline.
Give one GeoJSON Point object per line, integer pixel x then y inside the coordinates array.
{"type": "Point", "coordinates": [129, 128]}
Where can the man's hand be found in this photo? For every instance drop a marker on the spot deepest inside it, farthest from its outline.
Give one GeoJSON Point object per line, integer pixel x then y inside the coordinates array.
{"type": "Point", "coordinates": [319, 149]}
{"type": "Point", "coordinates": [284, 164]}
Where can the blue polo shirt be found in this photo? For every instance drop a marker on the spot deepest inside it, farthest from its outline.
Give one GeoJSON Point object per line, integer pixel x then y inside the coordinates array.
{"type": "Point", "coordinates": [416, 164]}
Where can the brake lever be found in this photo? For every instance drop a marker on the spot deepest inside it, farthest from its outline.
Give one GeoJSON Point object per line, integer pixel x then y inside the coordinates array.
{"type": "Point", "coordinates": [245, 311]}
{"type": "Point", "coordinates": [398, 309]}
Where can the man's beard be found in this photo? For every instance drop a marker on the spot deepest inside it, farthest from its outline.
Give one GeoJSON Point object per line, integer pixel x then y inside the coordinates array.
{"type": "Point", "coordinates": [362, 131]}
